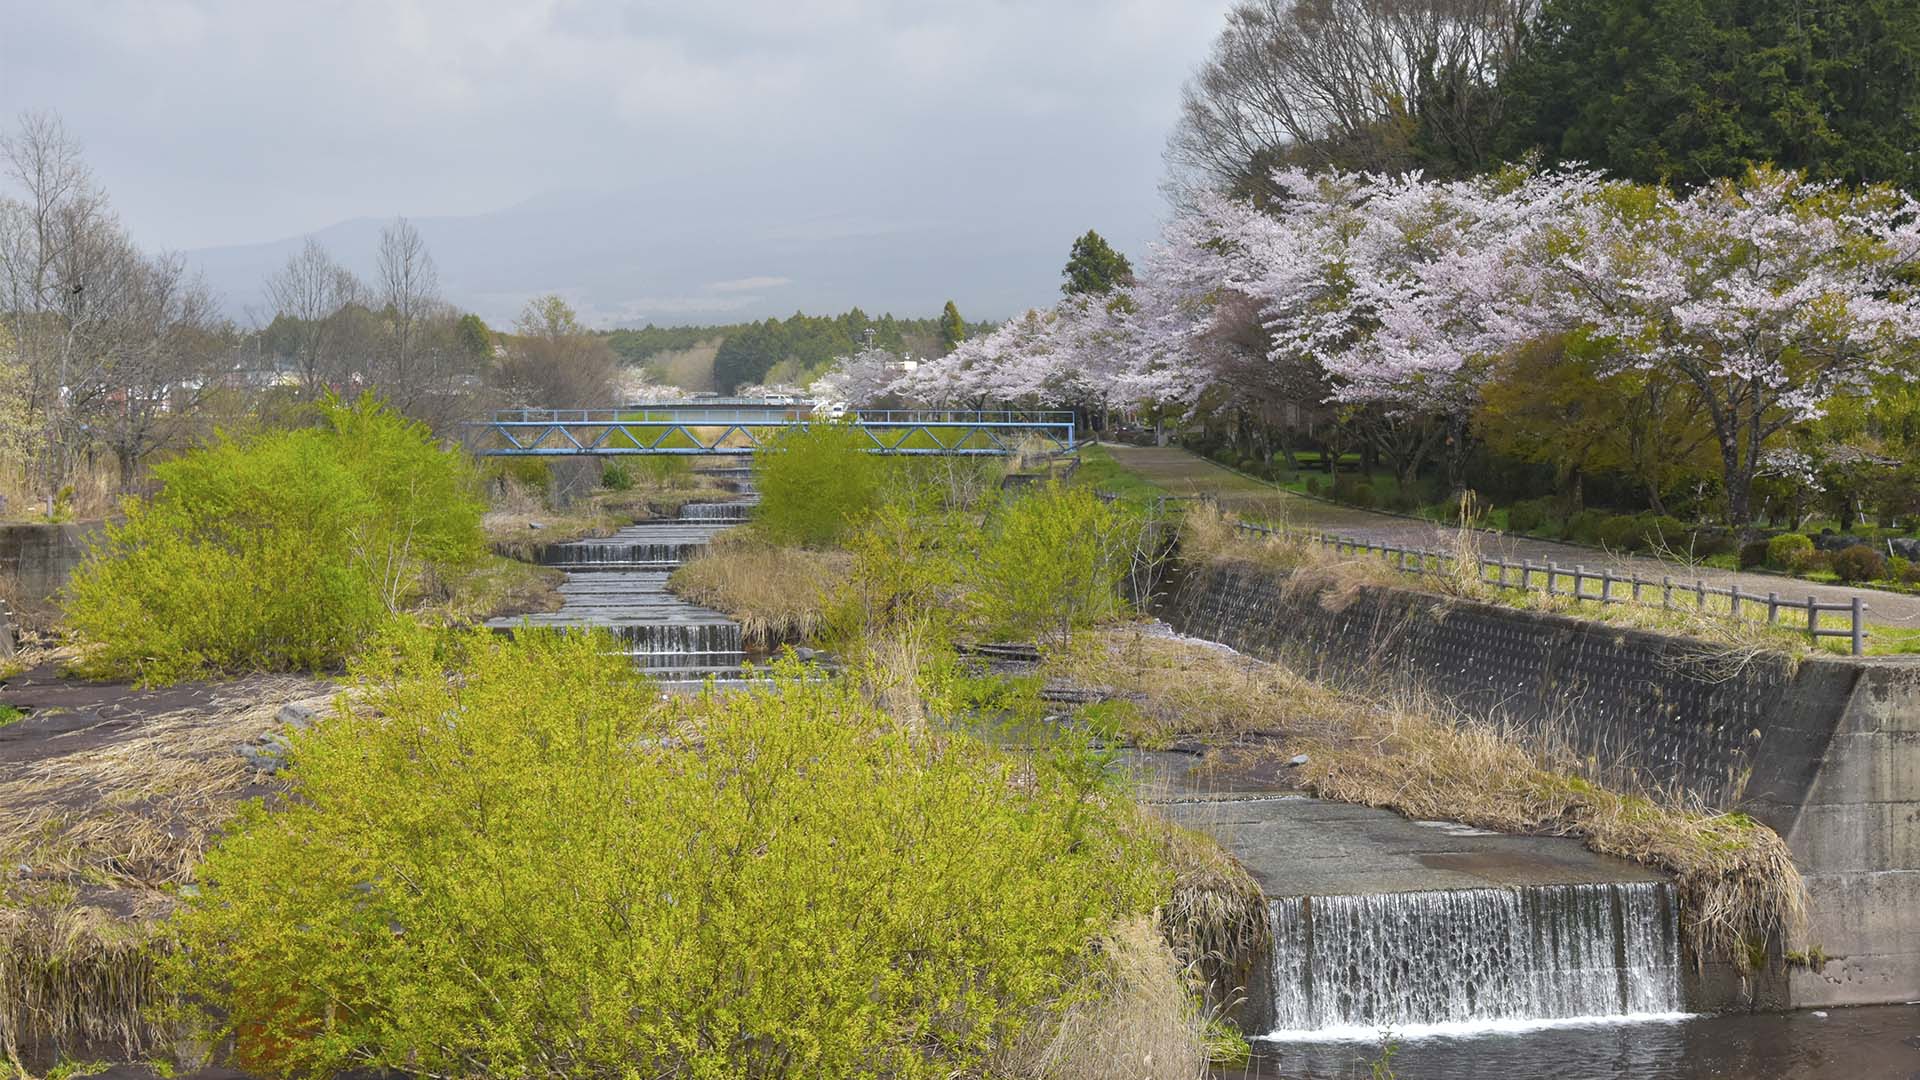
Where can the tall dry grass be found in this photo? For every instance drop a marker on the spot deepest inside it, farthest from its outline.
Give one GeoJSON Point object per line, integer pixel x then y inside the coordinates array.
{"type": "Point", "coordinates": [1132, 1018]}
{"type": "Point", "coordinates": [777, 594]}
{"type": "Point", "coordinates": [93, 841]}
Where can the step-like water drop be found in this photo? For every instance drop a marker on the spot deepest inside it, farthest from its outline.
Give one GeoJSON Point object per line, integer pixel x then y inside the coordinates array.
{"type": "Point", "coordinates": [1400, 961]}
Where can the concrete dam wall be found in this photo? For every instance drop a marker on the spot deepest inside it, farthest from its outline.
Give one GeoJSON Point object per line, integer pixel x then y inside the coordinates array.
{"type": "Point", "coordinates": [1826, 751]}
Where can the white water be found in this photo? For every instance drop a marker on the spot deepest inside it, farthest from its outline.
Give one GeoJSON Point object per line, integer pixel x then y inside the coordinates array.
{"type": "Point", "coordinates": [1453, 961]}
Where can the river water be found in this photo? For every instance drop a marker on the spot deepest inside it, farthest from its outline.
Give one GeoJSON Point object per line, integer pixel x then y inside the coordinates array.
{"type": "Point", "coordinates": [1874, 1043]}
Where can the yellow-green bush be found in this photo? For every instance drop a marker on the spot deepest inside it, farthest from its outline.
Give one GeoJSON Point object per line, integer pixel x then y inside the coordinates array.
{"type": "Point", "coordinates": [279, 552]}
{"type": "Point", "coordinates": [1053, 561]}
{"type": "Point", "coordinates": [816, 483]}
{"type": "Point", "coordinates": [539, 868]}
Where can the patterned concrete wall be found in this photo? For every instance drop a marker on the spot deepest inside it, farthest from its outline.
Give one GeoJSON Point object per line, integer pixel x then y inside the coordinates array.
{"type": "Point", "coordinates": [1825, 751]}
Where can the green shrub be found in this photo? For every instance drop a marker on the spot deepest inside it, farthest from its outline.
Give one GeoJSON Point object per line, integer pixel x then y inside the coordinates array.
{"type": "Point", "coordinates": [1316, 486]}
{"type": "Point", "coordinates": [574, 879]}
{"type": "Point", "coordinates": [616, 477]}
{"type": "Point", "coordinates": [1584, 527]}
{"type": "Point", "coordinates": [1363, 496]}
{"type": "Point", "coordinates": [1622, 533]}
{"type": "Point", "coordinates": [1051, 562]}
{"type": "Point", "coordinates": [1753, 553]}
{"type": "Point", "coordinates": [666, 470]}
{"type": "Point", "coordinates": [1789, 551]}
{"type": "Point", "coordinates": [1667, 533]}
{"type": "Point", "coordinates": [816, 483]}
{"type": "Point", "coordinates": [1528, 515]}
{"type": "Point", "coordinates": [281, 552]}
{"type": "Point", "coordinates": [1709, 543]}
{"type": "Point", "coordinates": [531, 473]}
{"type": "Point", "coordinates": [1900, 569]}
{"type": "Point", "coordinates": [1859, 563]}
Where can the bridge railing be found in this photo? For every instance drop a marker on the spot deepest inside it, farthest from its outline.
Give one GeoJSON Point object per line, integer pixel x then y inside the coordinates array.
{"type": "Point", "coordinates": [650, 429]}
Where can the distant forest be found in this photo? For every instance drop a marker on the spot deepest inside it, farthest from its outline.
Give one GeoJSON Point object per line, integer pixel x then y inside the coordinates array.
{"type": "Point", "coordinates": [792, 351]}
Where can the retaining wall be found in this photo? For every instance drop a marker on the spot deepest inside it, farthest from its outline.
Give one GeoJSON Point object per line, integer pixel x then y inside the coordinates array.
{"type": "Point", "coordinates": [35, 560]}
{"type": "Point", "coordinates": [1826, 751]}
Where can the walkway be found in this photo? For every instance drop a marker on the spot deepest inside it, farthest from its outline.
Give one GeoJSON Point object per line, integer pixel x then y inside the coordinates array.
{"type": "Point", "coordinates": [1180, 472]}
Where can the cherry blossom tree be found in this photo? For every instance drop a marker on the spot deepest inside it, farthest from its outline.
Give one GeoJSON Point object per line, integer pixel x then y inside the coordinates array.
{"type": "Point", "coordinates": [858, 380]}
{"type": "Point", "coordinates": [1771, 296]}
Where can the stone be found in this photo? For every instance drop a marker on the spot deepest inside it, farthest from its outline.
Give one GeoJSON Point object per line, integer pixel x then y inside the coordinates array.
{"type": "Point", "coordinates": [535, 525]}
{"type": "Point", "coordinates": [1296, 761]}
{"type": "Point", "coordinates": [297, 716]}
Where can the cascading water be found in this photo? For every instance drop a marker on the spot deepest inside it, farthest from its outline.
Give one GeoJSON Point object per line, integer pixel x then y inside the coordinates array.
{"type": "Point", "coordinates": [1409, 960]}
{"type": "Point", "coordinates": [618, 584]}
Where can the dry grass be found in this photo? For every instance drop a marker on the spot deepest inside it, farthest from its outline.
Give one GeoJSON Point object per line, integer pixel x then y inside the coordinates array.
{"type": "Point", "coordinates": [519, 521]}
{"type": "Point", "coordinates": [1736, 878]}
{"type": "Point", "coordinates": [138, 811]}
{"type": "Point", "coordinates": [497, 587]}
{"type": "Point", "coordinates": [94, 841]}
{"type": "Point", "coordinates": [1216, 918]}
{"type": "Point", "coordinates": [1209, 535]}
{"type": "Point", "coordinates": [94, 495]}
{"type": "Point", "coordinates": [776, 594]}
{"type": "Point", "coordinates": [1132, 1018]}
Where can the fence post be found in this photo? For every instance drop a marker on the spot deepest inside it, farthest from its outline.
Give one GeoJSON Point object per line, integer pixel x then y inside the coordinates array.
{"type": "Point", "coordinates": [1700, 587]}
{"type": "Point", "coordinates": [1773, 608]}
{"type": "Point", "coordinates": [1636, 586]}
{"type": "Point", "coordinates": [1579, 581]}
{"type": "Point", "coordinates": [1733, 599]}
{"type": "Point", "coordinates": [1606, 584]}
{"type": "Point", "coordinates": [1813, 620]}
{"type": "Point", "coordinates": [1859, 628]}
{"type": "Point", "coordinates": [1666, 590]}
{"type": "Point", "coordinates": [1552, 585]}
{"type": "Point", "coordinates": [1502, 564]}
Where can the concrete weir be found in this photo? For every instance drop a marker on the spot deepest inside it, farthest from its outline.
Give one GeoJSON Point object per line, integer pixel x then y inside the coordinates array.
{"type": "Point", "coordinates": [1824, 750]}
{"type": "Point", "coordinates": [618, 583]}
{"type": "Point", "coordinates": [1383, 923]}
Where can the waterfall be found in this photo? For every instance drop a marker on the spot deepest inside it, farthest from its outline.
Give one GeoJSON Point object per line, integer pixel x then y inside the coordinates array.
{"type": "Point", "coordinates": [1459, 957]}
{"type": "Point", "coordinates": [721, 511]}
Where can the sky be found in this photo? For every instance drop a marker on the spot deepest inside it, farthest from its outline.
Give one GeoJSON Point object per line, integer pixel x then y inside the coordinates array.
{"type": "Point", "coordinates": [666, 161]}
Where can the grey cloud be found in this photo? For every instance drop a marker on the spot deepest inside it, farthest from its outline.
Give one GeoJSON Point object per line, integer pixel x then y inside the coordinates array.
{"type": "Point", "coordinates": [878, 153]}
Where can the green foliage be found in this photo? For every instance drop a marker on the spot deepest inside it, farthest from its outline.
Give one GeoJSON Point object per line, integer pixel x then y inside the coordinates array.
{"type": "Point", "coordinates": [666, 470]}
{"type": "Point", "coordinates": [577, 879]}
{"type": "Point", "coordinates": [1753, 553]}
{"type": "Point", "coordinates": [530, 473]}
{"type": "Point", "coordinates": [281, 552]}
{"type": "Point", "coordinates": [816, 483]}
{"type": "Point", "coordinates": [1789, 551]}
{"type": "Point", "coordinates": [10, 714]}
{"type": "Point", "coordinates": [1689, 90]}
{"type": "Point", "coordinates": [475, 338]}
{"type": "Point", "coordinates": [616, 477]}
{"type": "Point", "coordinates": [1584, 527]}
{"type": "Point", "coordinates": [953, 328]}
{"type": "Point", "coordinates": [1094, 267]}
{"type": "Point", "coordinates": [1053, 561]}
{"type": "Point", "coordinates": [1529, 515]}
{"type": "Point", "coordinates": [1859, 563]}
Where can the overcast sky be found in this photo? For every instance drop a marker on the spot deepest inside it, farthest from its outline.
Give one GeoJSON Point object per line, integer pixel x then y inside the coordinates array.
{"type": "Point", "coordinates": [218, 124]}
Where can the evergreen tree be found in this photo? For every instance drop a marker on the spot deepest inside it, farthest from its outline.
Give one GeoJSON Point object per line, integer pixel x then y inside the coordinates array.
{"type": "Point", "coordinates": [953, 329]}
{"type": "Point", "coordinates": [1094, 267]}
{"type": "Point", "coordinates": [1691, 90]}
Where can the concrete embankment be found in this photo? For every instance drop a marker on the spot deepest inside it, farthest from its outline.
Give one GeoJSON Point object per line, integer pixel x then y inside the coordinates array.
{"type": "Point", "coordinates": [1826, 751]}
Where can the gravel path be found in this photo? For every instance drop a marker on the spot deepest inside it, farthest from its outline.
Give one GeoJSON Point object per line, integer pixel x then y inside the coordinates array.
{"type": "Point", "coordinates": [1184, 473]}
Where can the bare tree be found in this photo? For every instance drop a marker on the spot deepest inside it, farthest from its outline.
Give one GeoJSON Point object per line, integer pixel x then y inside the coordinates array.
{"type": "Point", "coordinates": [410, 292]}
{"type": "Point", "coordinates": [553, 361]}
{"type": "Point", "coordinates": [58, 241]}
{"type": "Point", "coordinates": [310, 292]}
{"type": "Point", "coordinates": [1356, 83]}
{"type": "Point", "coordinates": [165, 341]}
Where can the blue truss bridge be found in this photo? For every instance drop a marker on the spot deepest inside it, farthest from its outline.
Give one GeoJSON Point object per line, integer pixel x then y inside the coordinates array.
{"type": "Point", "coordinates": [741, 426]}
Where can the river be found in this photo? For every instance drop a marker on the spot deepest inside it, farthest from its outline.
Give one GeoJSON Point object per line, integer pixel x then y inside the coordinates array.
{"type": "Point", "coordinates": [1872, 1043]}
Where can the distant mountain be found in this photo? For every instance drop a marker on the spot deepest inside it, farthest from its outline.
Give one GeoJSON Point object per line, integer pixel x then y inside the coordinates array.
{"type": "Point", "coordinates": [738, 251]}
